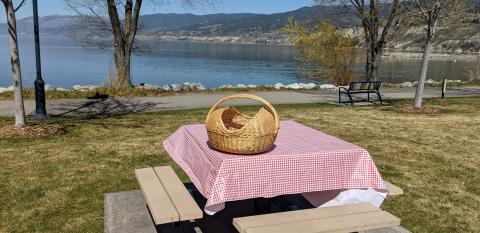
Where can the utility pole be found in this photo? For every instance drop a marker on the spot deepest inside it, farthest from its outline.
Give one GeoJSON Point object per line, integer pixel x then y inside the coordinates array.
{"type": "Point", "coordinates": [40, 108]}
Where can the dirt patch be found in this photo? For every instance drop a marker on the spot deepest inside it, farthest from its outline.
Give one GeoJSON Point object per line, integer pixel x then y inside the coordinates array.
{"type": "Point", "coordinates": [410, 109]}
{"type": "Point", "coordinates": [31, 131]}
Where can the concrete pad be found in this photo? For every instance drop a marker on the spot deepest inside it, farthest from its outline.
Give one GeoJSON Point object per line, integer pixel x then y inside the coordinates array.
{"type": "Point", "coordinates": [126, 212]}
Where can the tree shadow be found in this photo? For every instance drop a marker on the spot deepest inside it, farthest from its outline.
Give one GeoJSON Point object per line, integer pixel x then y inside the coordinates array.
{"type": "Point", "coordinates": [97, 108]}
{"type": "Point", "coordinates": [464, 90]}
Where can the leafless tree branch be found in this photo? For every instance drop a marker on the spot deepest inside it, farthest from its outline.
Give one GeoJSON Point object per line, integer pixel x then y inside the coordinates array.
{"type": "Point", "coordinates": [19, 6]}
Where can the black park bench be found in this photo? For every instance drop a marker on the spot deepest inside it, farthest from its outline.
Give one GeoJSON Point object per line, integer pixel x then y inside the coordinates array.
{"type": "Point", "coordinates": [360, 87]}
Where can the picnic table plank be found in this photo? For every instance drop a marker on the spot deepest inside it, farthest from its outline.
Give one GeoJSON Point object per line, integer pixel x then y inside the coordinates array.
{"type": "Point", "coordinates": [345, 223]}
{"type": "Point", "coordinates": [184, 203]}
{"type": "Point", "coordinates": [158, 201]}
{"type": "Point", "coordinates": [392, 189]}
{"type": "Point", "coordinates": [300, 215]}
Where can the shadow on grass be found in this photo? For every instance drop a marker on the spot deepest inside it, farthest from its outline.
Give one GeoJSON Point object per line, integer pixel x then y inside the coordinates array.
{"type": "Point", "coordinates": [105, 107]}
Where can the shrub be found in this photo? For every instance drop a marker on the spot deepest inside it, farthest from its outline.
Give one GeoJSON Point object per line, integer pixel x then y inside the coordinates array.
{"type": "Point", "coordinates": [324, 51]}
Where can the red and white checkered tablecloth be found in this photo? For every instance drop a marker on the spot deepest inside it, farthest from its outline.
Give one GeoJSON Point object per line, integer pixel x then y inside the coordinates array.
{"type": "Point", "coordinates": [302, 160]}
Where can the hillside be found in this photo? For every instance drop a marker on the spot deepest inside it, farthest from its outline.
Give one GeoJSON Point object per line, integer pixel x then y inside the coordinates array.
{"type": "Point", "coordinates": [254, 28]}
{"type": "Point", "coordinates": [53, 24]}
{"type": "Point", "coordinates": [268, 23]}
{"type": "Point", "coordinates": [175, 23]}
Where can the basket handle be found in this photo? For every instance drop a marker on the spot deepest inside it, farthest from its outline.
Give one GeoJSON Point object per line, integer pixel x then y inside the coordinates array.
{"type": "Point", "coordinates": [248, 96]}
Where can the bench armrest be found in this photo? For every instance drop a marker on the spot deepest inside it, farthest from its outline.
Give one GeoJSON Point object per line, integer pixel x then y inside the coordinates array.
{"type": "Point", "coordinates": [340, 88]}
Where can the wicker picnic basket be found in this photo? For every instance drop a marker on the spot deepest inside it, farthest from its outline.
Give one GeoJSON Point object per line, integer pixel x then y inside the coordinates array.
{"type": "Point", "coordinates": [233, 132]}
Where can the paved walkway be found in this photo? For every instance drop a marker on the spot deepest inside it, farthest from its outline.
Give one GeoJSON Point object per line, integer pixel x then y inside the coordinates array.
{"type": "Point", "coordinates": [112, 106]}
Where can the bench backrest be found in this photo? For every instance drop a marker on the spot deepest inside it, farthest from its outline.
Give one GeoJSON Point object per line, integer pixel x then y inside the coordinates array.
{"type": "Point", "coordinates": [364, 85]}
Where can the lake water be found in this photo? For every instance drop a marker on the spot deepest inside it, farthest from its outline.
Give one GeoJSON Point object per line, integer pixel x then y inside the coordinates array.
{"type": "Point", "coordinates": [66, 63]}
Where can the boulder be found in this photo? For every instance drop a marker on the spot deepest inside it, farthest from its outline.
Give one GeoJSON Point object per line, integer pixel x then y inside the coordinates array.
{"type": "Point", "coordinates": [85, 87]}
{"type": "Point", "coordinates": [49, 87]}
{"type": "Point", "coordinates": [406, 84]}
{"type": "Point", "coordinates": [200, 87]}
{"type": "Point", "coordinates": [278, 86]}
{"type": "Point", "coordinates": [454, 81]}
{"type": "Point", "coordinates": [431, 81]}
{"type": "Point", "coordinates": [294, 86]}
{"type": "Point", "coordinates": [151, 86]}
{"type": "Point", "coordinates": [62, 89]}
{"type": "Point", "coordinates": [5, 89]}
{"type": "Point", "coordinates": [188, 86]}
{"type": "Point", "coordinates": [166, 88]}
{"type": "Point", "coordinates": [241, 86]}
{"type": "Point", "coordinates": [226, 86]}
{"type": "Point", "coordinates": [308, 86]}
{"type": "Point", "coordinates": [175, 87]}
{"type": "Point", "coordinates": [328, 87]}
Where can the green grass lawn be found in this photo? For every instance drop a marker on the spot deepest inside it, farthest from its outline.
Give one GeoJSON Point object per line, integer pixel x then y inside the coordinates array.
{"type": "Point", "coordinates": [56, 184]}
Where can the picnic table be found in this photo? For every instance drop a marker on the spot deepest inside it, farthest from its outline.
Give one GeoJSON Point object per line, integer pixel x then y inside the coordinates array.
{"type": "Point", "coordinates": [302, 160]}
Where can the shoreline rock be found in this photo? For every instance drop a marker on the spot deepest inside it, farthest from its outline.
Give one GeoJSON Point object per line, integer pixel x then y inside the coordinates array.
{"type": "Point", "coordinates": [187, 86]}
{"type": "Point", "coordinates": [85, 87]}
{"type": "Point", "coordinates": [197, 86]}
{"type": "Point", "coordinates": [6, 89]}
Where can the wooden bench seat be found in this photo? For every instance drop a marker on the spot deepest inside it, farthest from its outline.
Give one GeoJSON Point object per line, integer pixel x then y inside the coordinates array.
{"type": "Point", "coordinates": [392, 189]}
{"type": "Point", "coordinates": [167, 198]}
{"type": "Point", "coordinates": [346, 218]}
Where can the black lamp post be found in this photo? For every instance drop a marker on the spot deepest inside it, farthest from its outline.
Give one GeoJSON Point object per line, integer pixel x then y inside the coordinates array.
{"type": "Point", "coordinates": [40, 109]}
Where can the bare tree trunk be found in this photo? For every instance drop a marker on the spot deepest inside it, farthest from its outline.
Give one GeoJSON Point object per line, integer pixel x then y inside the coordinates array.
{"type": "Point", "coordinates": [374, 23]}
{"type": "Point", "coordinates": [423, 71]}
{"type": "Point", "coordinates": [123, 39]}
{"type": "Point", "coordinates": [375, 39]}
{"type": "Point", "coordinates": [368, 65]}
{"type": "Point", "coordinates": [373, 60]}
{"type": "Point", "coordinates": [15, 61]}
{"type": "Point", "coordinates": [122, 75]}
{"type": "Point", "coordinates": [368, 49]}
{"type": "Point", "coordinates": [376, 56]}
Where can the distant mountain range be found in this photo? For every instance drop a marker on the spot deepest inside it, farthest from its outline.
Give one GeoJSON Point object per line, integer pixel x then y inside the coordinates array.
{"type": "Point", "coordinates": [259, 28]}
{"type": "Point", "coordinates": [54, 24]}
{"type": "Point", "coordinates": [216, 24]}
{"type": "Point", "coordinates": [224, 24]}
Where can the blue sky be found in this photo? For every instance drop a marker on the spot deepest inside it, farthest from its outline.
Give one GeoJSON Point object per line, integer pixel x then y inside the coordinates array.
{"type": "Point", "coordinates": [51, 7]}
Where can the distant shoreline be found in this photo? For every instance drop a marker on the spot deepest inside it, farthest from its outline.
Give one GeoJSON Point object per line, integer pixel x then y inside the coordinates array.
{"type": "Point", "coordinates": [247, 40]}
{"type": "Point", "coordinates": [435, 55]}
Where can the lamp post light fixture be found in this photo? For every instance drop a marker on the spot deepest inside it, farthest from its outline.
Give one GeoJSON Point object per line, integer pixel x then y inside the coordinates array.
{"type": "Point", "coordinates": [40, 108]}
